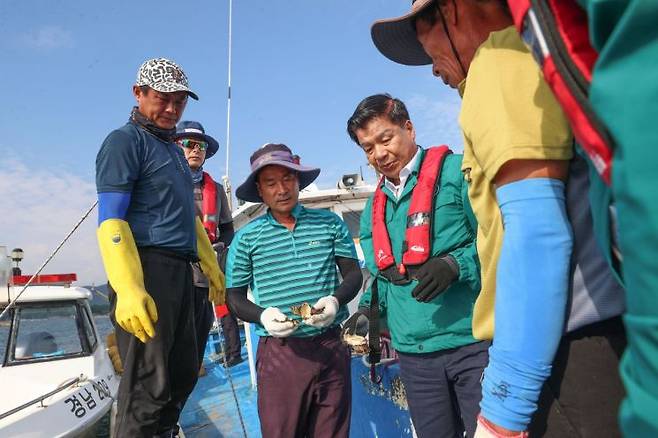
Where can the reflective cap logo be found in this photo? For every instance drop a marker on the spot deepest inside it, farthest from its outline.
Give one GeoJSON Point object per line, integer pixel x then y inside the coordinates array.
{"type": "Point", "coordinates": [417, 248]}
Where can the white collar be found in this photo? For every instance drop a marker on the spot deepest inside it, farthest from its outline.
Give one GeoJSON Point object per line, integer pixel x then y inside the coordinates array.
{"type": "Point", "coordinates": [404, 174]}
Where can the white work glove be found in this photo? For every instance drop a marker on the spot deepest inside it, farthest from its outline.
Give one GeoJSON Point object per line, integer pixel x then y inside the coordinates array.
{"type": "Point", "coordinates": [329, 306]}
{"type": "Point", "coordinates": [277, 323]}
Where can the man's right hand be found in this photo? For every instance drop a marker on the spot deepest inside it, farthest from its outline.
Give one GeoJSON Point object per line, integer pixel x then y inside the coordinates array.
{"type": "Point", "coordinates": [487, 429]}
{"type": "Point", "coordinates": [135, 310]}
{"type": "Point", "coordinates": [277, 323]}
{"type": "Point", "coordinates": [136, 313]}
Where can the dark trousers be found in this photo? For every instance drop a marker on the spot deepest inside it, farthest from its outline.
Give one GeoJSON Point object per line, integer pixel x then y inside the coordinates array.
{"type": "Point", "coordinates": [583, 394]}
{"type": "Point", "coordinates": [203, 318]}
{"type": "Point", "coordinates": [304, 386]}
{"type": "Point", "coordinates": [443, 389]}
{"type": "Point", "coordinates": [162, 372]}
{"type": "Point", "coordinates": [232, 344]}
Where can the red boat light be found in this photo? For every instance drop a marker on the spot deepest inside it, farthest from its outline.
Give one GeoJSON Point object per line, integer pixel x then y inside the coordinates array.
{"type": "Point", "coordinates": [21, 280]}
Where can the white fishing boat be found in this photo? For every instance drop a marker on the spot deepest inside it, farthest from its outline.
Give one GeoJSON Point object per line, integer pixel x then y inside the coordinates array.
{"type": "Point", "coordinates": [56, 376]}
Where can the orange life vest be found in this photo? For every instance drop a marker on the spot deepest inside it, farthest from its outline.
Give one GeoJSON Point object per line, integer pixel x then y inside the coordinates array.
{"type": "Point", "coordinates": [417, 247]}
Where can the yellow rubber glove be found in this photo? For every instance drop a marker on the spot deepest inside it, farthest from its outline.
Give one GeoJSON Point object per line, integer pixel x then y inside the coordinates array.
{"type": "Point", "coordinates": [209, 266]}
{"type": "Point", "coordinates": [135, 311]}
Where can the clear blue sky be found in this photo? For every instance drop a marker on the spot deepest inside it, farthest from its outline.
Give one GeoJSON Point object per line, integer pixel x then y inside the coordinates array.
{"type": "Point", "coordinates": [299, 69]}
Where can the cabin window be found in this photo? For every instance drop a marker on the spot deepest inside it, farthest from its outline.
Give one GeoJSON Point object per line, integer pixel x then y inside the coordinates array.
{"type": "Point", "coordinates": [5, 325]}
{"type": "Point", "coordinates": [47, 332]}
{"type": "Point", "coordinates": [89, 328]}
{"type": "Point", "coordinates": [353, 221]}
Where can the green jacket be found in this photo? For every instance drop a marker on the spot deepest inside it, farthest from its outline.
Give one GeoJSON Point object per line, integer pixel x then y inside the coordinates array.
{"type": "Point", "coordinates": [445, 322]}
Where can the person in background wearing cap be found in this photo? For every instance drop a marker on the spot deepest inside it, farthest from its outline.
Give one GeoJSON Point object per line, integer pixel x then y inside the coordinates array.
{"type": "Point", "coordinates": [148, 235]}
{"type": "Point", "coordinates": [212, 208]}
{"type": "Point", "coordinates": [288, 257]}
{"type": "Point", "coordinates": [518, 152]}
{"type": "Point", "coordinates": [429, 309]}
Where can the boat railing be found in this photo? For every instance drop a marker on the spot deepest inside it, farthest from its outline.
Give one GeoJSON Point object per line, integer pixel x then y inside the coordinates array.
{"type": "Point", "coordinates": [41, 398]}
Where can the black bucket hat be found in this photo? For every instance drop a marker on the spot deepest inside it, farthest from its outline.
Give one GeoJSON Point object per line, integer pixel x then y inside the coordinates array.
{"type": "Point", "coordinates": [279, 155]}
{"type": "Point", "coordinates": [396, 37]}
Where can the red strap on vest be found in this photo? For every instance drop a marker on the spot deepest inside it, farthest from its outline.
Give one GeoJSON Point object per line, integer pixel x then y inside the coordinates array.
{"type": "Point", "coordinates": [421, 209]}
{"type": "Point", "coordinates": [558, 33]}
{"type": "Point", "coordinates": [418, 237]}
{"type": "Point", "coordinates": [209, 207]}
{"type": "Point", "coordinates": [380, 240]}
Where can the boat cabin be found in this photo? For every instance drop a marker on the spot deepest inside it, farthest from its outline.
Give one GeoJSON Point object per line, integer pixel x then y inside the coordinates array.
{"type": "Point", "coordinates": [51, 320]}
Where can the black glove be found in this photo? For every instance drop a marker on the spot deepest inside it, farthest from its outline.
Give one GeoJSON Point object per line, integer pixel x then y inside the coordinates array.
{"type": "Point", "coordinates": [434, 276]}
{"type": "Point", "coordinates": [357, 324]}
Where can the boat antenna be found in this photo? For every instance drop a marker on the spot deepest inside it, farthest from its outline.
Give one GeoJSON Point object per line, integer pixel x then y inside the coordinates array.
{"type": "Point", "coordinates": [75, 227]}
{"type": "Point", "coordinates": [225, 178]}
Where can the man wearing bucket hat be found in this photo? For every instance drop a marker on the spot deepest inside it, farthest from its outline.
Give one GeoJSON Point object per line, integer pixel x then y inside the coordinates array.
{"type": "Point", "coordinates": [517, 156]}
{"type": "Point", "coordinates": [287, 257]}
{"type": "Point", "coordinates": [148, 235]}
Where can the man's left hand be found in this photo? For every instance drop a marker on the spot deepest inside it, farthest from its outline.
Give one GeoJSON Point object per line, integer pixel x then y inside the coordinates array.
{"type": "Point", "coordinates": [329, 308]}
{"type": "Point", "coordinates": [434, 277]}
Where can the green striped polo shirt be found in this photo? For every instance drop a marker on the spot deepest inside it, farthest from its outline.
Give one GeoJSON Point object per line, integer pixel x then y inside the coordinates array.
{"type": "Point", "coordinates": [285, 268]}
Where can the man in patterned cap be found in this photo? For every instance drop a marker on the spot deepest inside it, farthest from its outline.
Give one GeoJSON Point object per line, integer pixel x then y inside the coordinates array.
{"type": "Point", "coordinates": [148, 235]}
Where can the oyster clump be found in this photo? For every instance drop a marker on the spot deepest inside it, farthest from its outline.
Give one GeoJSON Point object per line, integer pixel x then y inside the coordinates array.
{"type": "Point", "coordinates": [358, 344]}
{"type": "Point", "coordinates": [305, 310]}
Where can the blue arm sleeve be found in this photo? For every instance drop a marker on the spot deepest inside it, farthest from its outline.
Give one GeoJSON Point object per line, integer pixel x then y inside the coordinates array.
{"type": "Point", "coordinates": [112, 205]}
{"type": "Point", "coordinates": [531, 297]}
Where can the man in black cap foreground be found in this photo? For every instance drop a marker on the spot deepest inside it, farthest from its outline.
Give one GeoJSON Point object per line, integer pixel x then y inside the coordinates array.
{"type": "Point", "coordinates": [148, 235]}
{"type": "Point", "coordinates": [518, 156]}
{"type": "Point", "coordinates": [289, 257]}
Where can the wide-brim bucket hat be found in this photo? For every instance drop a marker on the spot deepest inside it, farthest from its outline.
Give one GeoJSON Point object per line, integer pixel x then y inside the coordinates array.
{"type": "Point", "coordinates": [396, 37]}
{"type": "Point", "coordinates": [190, 129]}
{"type": "Point", "coordinates": [278, 155]}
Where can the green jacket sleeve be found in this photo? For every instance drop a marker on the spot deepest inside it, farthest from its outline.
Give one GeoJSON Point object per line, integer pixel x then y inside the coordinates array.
{"type": "Point", "coordinates": [365, 240]}
{"type": "Point", "coordinates": [466, 256]}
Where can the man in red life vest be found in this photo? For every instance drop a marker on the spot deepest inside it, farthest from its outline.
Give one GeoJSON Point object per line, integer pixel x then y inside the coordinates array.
{"type": "Point", "coordinates": [418, 239]}
{"type": "Point", "coordinates": [212, 207]}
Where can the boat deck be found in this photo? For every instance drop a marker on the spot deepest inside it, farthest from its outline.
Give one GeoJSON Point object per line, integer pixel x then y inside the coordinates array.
{"type": "Point", "coordinates": [211, 409]}
{"type": "Point", "coordinates": [378, 410]}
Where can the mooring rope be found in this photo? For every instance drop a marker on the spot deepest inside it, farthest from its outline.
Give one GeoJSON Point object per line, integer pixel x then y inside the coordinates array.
{"type": "Point", "coordinates": [220, 333]}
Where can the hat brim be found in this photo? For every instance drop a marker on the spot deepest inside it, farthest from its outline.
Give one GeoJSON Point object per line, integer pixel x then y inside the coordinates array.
{"type": "Point", "coordinates": [213, 145]}
{"type": "Point", "coordinates": [248, 191]}
{"type": "Point", "coordinates": [396, 39]}
{"type": "Point", "coordinates": [173, 87]}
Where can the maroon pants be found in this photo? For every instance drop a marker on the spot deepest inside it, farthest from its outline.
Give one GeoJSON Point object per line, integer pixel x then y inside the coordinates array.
{"type": "Point", "coordinates": [304, 386]}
